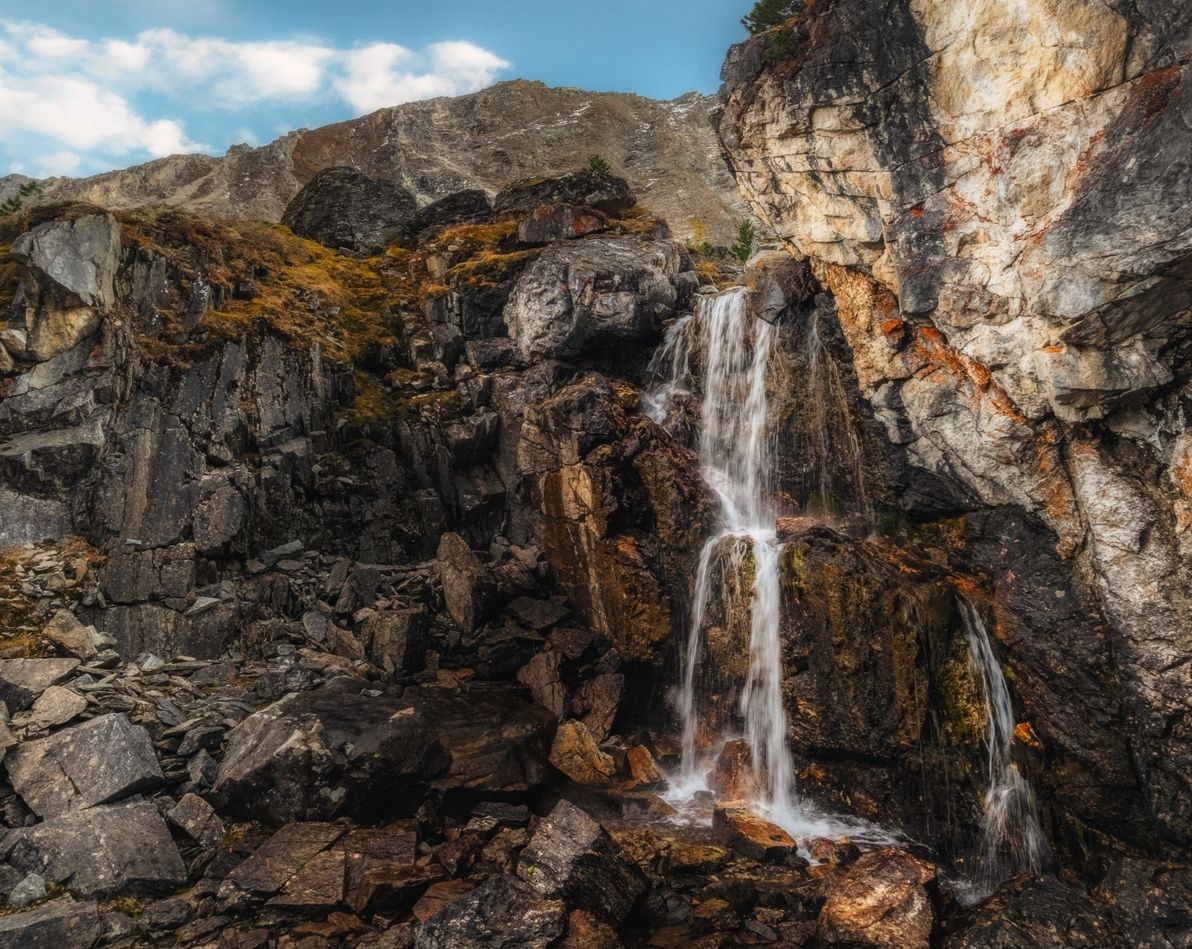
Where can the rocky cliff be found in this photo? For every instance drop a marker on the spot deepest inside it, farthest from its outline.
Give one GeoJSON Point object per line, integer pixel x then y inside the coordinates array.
{"type": "Point", "coordinates": [993, 199]}
{"type": "Point", "coordinates": [487, 140]}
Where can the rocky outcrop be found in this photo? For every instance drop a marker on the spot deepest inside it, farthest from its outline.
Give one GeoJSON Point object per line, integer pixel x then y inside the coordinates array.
{"type": "Point", "coordinates": [993, 211]}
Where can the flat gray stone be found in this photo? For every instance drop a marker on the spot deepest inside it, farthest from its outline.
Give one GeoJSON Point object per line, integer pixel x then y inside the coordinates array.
{"type": "Point", "coordinates": [62, 924]}
{"type": "Point", "coordinates": [23, 680]}
{"type": "Point", "coordinates": [96, 762]}
{"type": "Point", "coordinates": [117, 848]}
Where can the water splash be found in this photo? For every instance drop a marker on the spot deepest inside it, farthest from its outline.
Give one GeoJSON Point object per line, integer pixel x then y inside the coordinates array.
{"type": "Point", "coordinates": [1012, 840]}
{"type": "Point", "coordinates": [735, 453]}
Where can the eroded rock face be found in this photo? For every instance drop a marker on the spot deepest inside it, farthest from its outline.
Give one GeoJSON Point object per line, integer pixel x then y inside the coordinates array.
{"type": "Point", "coordinates": [993, 211]}
{"type": "Point", "coordinates": [70, 273]}
{"type": "Point", "coordinates": [882, 900]}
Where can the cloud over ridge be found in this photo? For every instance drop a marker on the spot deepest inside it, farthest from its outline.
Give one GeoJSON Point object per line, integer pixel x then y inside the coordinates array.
{"type": "Point", "coordinates": [80, 101]}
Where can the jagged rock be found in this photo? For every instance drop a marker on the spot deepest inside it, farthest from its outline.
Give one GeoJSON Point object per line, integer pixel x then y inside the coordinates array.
{"type": "Point", "coordinates": [277, 862]}
{"type": "Point", "coordinates": [69, 280]}
{"type": "Point", "coordinates": [73, 638]}
{"type": "Point", "coordinates": [596, 703]}
{"type": "Point", "coordinates": [585, 931]}
{"type": "Point", "coordinates": [571, 856]}
{"type": "Point", "coordinates": [1039, 913]}
{"type": "Point", "coordinates": [541, 676]}
{"type": "Point", "coordinates": [605, 193]}
{"type": "Point", "coordinates": [750, 835]}
{"type": "Point", "coordinates": [63, 923]}
{"type": "Point", "coordinates": [331, 751]}
{"type": "Point", "coordinates": [114, 848]}
{"type": "Point", "coordinates": [467, 590]}
{"type": "Point", "coordinates": [462, 207]}
{"type": "Point", "coordinates": [57, 705]}
{"type": "Point", "coordinates": [577, 755]}
{"type": "Point", "coordinates": [882, 900]}
{"type": "Point", "coordinates": [96, 762]}
{"type": "Point", "coordinates": [557, 222]}
{"type": "Point", "coordinates": [23, 680]}
{"type": "Point", "coordinates": [344, 208]}
{"type": "Point", "coordinates": [732, 777]}
{"type": "Point", "coordinates": [503, 912]}
{"type": "Point", "coordinates": [579, 298]}
{"type": "Point", "coordinates": [643, 768]}
{"type": "Point", "coordinates": [495, 742]}
{"type": "Point", "coordinates": [395, 641]}
{"type": "Point", "coordinates": [826, 850]}
{"type": "Point", "coordinates": [197, 819]}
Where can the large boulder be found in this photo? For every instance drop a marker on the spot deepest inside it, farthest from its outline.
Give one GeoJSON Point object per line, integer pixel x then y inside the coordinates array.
{"type": "Point", "coordinates": [96, 762]}
{"type": "Point", "coordinates": [68, 281]}
{"type": "Point", "coordinates": [345, 748]}
{"type": "Point", "coordinates": [1048, 912]}
{"type": "Point", "coordinates": [118, 848]}
{"type": "Point", "coordinates": [502, 913]}
{"type": "Point", "coordinates": [882, 900]}
{"type": "Point", "coordinates": [571, 856]}
{"type": "Point", "coordinates": [23, 680]}
{"type": "Point", "coordinates": [343, 208]}
{"type": "Point", "coordinates": [496, 741]}
{"type": "Point", "coordinates": [462, 207]}
{"type": "Point", "coordinates": [63, 923]}
{"type": "Point", "coordinates": [607, 194]}
{"type": "Point", "coordinates": [467, 589]}
{"type": "Point", "coordinates": [581, 297]}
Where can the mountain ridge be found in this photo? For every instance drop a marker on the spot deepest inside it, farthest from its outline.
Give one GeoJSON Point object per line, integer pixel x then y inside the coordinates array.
{"type": "Point", "coordinates": [488, 139]}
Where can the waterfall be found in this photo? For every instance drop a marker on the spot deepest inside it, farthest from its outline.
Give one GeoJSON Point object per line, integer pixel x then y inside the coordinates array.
{"type": "Point", "coordinates": [735, 453]}
{"type": "Point", "coordinates": [1012, 840]}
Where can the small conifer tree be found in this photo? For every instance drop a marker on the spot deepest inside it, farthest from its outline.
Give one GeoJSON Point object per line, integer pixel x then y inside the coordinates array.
{"type": "Point", "coordinates": [746, 241]}
{"type": "Point", "coordinates": [597, 165]}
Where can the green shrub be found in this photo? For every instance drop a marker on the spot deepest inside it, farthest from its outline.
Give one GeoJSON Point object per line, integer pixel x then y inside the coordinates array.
{"type": "Point", "coordinates": [746, 241]}
{"type": "Point", "coordinates": [598, 166]}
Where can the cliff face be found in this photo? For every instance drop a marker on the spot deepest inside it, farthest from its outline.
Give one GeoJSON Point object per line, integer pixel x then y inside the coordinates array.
{"type": "Point", "coordinates": [994, 196]}
{"type": "Point", "coordinates": [487, 140]}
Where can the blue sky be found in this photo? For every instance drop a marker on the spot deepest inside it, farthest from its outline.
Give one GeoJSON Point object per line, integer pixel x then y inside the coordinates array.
{"type": "Point", "coordinates": [88, 86]}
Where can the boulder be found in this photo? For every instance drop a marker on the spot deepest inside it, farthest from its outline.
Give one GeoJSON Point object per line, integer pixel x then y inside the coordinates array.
{"type": "Point", "coordinates": [557, 222]}
{"type": "Point", "coordinates": [541, 676]}
{"type": "Point", "coordinates": [197, 819]}
{"type": "Point", "coordinates": [583, 297]}
{"type": "Point", "coordinates": [576, 754]}
{"type": "Point", "coordinates": [607, 194]}
{"type": "Point", "coordinates": [395, 640]}
{"type": "Point", "coordinates": [571, 856]}
{"type": "Point", "coordinates": [296, 850]}
{"type": "Point", "coordinates": [63, 923]}
{"type": "Point", "coordinates": [336, 750]}
{"type": "Point", "coordinates": [467, 589]}
{"type": "Point", "coordinates": [742, 830]}
{"type": "Point", "coordinates": [116, 848]}
{"type": "Point", "coordinates": [23, 680]}
{"type": "Point", "coordinates": [643, 768]}
{"type": "Point", "coordinates": [69, 280]}
{"type": "Point", "coordinates": [503, 912]}
{"type": "Point", "coordinates": [732, 776]}
{"type": "Point", "coordinates": [57, 705]}
{"type": "Point", "coordinates": [96, 762]}
{"type": "Point", "coordinates": [596, 702]}
{"type": "Point", "coordinates": [882, 900]}
{"type": "Point", "coordinates": [71, 637]}
{"type": "Point", "coordinates": [462, 207]}
{"type": "Point", "coordinates": [1049, 912]}
{"type": "Point", "coordinates": [1150, 900]}
{"type": "Point", "coordinates": [496, 741]}
{"type": "Point", "coordinates": [343, 208]}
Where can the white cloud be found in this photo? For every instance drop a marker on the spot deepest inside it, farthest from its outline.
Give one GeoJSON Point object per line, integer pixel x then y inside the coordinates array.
{"type": "Point", "coordinates": [92, 100]}
{"type": "Point", "coordinates": [384, 74]}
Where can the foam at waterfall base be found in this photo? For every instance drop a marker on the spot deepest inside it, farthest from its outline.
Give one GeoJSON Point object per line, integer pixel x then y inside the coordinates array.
{"type": "Point", "coordinates": [694, 801]}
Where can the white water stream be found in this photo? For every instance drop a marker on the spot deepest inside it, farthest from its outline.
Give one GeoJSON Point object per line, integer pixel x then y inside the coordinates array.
{"type": "Point", "coordinates": [1012, 840]}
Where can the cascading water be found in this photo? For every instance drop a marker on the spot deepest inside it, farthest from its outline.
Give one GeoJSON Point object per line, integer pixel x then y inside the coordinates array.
{"type": "Point", "coordinates": [735, 454]}
{"type": "Point", "coordinates": [1012, 839]}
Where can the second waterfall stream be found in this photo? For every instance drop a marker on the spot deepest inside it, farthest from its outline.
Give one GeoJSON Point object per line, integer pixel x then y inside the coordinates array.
{"type": "Point", "coordinates": [734, 355]}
